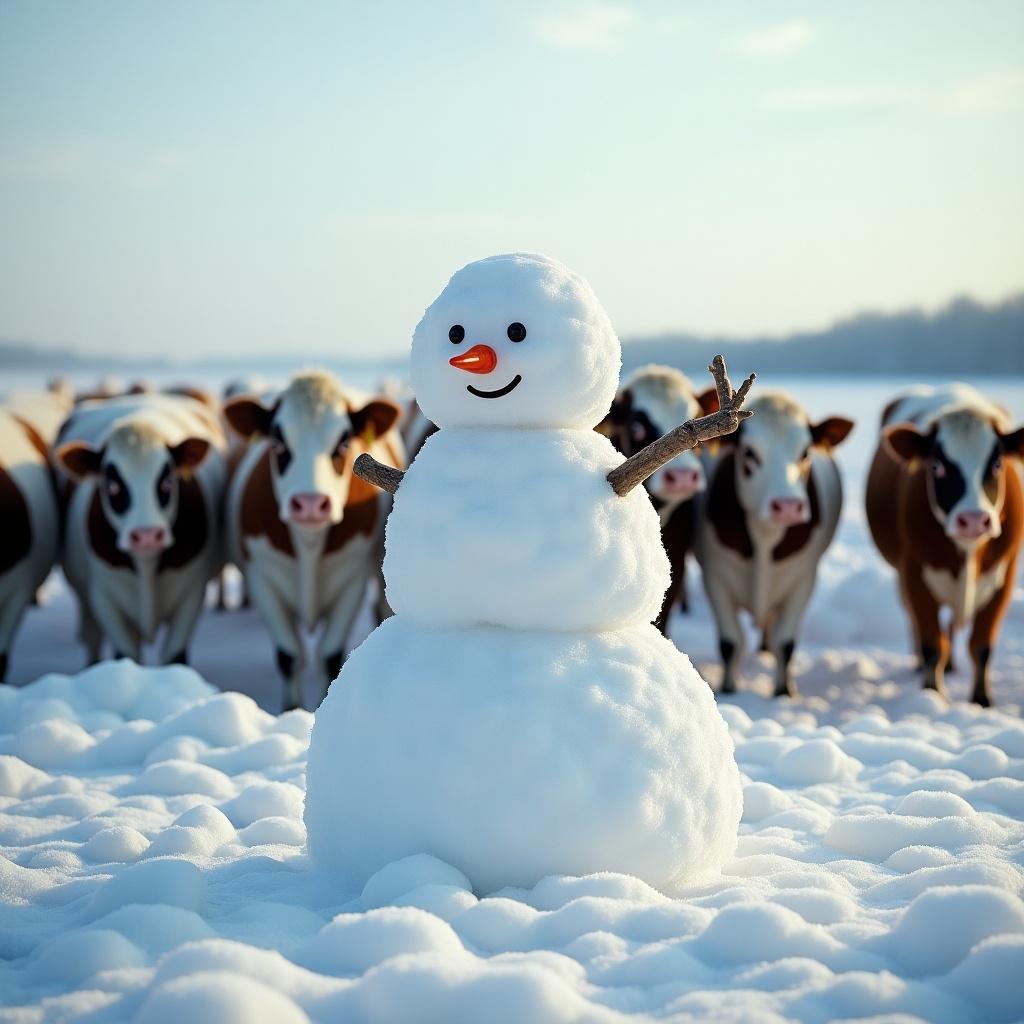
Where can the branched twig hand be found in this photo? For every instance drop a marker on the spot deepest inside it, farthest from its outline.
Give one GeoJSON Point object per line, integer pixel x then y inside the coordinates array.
{"type": "Point", "coordinates": [637, 468]}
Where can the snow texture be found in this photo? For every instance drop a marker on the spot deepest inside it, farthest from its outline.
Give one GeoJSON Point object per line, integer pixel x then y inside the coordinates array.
{"type": "Point", "coordinates": [152, 869]}
{"type": "Point", "coordinates": [569, 360]}
{"type": "Point", "coordinates": [525, 532]}
{"type": "Point", "coordinates": [514, 756]}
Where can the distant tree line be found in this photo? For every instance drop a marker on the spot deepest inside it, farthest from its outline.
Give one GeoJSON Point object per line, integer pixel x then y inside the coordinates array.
{"type": "Point", "coordinates": [965, 338]}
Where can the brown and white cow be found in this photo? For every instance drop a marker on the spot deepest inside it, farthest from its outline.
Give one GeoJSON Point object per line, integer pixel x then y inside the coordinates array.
{"type": "Point", "coordinates": [304, 530]}
{"type": "Point", "coordinates": [946, 509]}
{"type": "Point", "coordinates": [143, 531]}
{"type": "Point", "coordinates": [653, 400]}
{"type": "Point", "coordinates": [769, 513]}
{"type": "Point", "coordinates": [30, 518]}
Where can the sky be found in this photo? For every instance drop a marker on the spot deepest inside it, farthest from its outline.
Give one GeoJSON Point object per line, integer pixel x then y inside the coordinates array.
{"type": "Point", "coordinates": [213, 178]}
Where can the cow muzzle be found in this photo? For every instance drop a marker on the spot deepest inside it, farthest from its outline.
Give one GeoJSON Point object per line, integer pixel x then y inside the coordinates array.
{"type": "Point", "coordinates": [148, 540]}
{"type": "Point", "coordinates": [789, 511]}
{"type": "Point", "coordinates": [679, 484]}
{"type": "Point", "coordinates": [311, 509]}
{"type": "Point", "coordinates": [972, 525]}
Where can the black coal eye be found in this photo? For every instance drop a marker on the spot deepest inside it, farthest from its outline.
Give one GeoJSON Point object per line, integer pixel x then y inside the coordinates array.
{"type": "Point", "coordinates": [516, 331]}
{"type": "Point", "coordinates": [456, 334]}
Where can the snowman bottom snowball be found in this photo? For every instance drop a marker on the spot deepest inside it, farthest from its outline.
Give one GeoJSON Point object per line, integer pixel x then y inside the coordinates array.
{"type": "Point", "coordinates": [516, 755]}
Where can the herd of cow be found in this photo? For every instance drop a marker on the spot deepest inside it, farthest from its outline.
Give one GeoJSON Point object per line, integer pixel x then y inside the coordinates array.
{"type": "Point", "coordinates": [144, 496]}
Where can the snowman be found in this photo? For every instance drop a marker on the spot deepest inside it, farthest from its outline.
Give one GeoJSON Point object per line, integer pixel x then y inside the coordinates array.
{"type": "Point", "coordinates": [519, 716]}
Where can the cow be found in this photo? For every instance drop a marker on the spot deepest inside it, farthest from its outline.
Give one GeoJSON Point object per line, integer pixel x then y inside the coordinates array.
{"type": "Point", "coordinates": [143, 533]}
{"type": "Point", "coordinates": [769, 513]}
{"type": "Point", "coordinates": [304, 530]}
{"type": "Point", "coordinates": [945, 508]}
{"type": "Point", "coordinates": [652, 400]}
{"type": "Point", "coordinates": [29, 512]}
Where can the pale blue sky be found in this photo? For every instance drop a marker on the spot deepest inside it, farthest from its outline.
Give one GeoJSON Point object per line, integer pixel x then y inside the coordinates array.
{"type": "Point", "coordinates": [216, 177]}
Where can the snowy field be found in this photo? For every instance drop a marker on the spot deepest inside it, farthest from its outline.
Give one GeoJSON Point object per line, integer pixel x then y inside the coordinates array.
{"type": "Point", "coordinates": [153, 867]}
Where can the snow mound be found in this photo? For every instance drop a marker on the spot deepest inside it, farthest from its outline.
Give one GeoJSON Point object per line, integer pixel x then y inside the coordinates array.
{"type": "Point", "coordinates": [577, 556]}
{"type": "Point", "coordinates": [571, 754]}
{"type": "Point", "coordinates": [877, 874]}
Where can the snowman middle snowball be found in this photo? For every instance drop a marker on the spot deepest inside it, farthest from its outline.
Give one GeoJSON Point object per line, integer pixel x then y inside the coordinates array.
{"type": "Point", "coordinates": [486, 723]}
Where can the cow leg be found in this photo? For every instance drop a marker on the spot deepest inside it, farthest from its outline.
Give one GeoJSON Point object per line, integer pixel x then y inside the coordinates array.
{"type": "Point", "coordinates": [330, 648]}
{"type": "Point", "coordinates": [180, 626]}
{"type": "Point", "coordinates": [782, 636]}
{"type": "Point", "coordinates": [984, 632]}
{"type": "Point", "coordinates": [89, 632]}
{"type": "Point", "coordinates": [281, 624]}
{"type": "Point", "coordinates": [934, 641]}
{"type": "Point", "coordinates": [730, 632]}
{"type": "Point", "coordinates": [950, 634]}
{"type": "Point", "coordinates": [125, 640]}
{"type": "Point", "coordinates": [11, 610]}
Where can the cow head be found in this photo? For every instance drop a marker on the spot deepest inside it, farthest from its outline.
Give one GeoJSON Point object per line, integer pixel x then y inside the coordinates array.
{"type": "Point", "coordinates": [773, 458]}
{"type": "Point", "coordinates": [653, 401]}
{"type": "Point", "coordinates": [314, 436]}
{"type": "Point", "coordinates": [138, 482]}
{"type": "Point", "coordinates": [963, 456]}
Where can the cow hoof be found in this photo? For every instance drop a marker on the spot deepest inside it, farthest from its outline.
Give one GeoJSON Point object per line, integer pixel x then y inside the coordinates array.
{"type": "Point", "coordinates": [332, 666]}
{"type": "Point", "coordinates": [3, 668]}
{"type": "Point", "coordinates": [785, 691]}
{"type": "Point", "coordinates": [982, 699]}
{"type": "Point", "coordinates": [179, 659]}
{"type": "Point", "coordinates": [728, 686]}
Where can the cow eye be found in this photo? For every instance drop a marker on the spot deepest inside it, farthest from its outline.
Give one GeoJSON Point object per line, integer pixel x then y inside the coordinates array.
{"type": "Point", "coordinates": [997, 465]}
{"type": "Point", "coordinates": [165, 486]}
{"type": "Point", "coordinates": [456, 334]}
{"type": "Point", "coordinates": [637, 431]}
{"type": "Point", "coordinates": [938, 469]}
{"type": "Point", "coordinates": [342, 444]}
{"type": "Point", "coordinates": [516, 332]}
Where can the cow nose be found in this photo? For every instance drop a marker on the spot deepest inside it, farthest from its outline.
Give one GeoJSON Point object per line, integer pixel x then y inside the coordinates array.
{"type": "Point", "coordinates": [310, 508]}
{"type": "Point", "coordinates": [972, 525]}
{"type": "Point", "coordinates": [147, 538]}
{"type": "Point", "coordinates": [478, 359]}
{"type": "Point", "coordinates": [787, 510]}
{"type": "Point", "coordinates": [682, 481]}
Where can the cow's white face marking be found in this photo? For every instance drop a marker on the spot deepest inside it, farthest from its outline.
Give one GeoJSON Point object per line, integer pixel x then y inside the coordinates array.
{"type": "Point", "coordinates": [138, 486]}
{"type": "Point", "coordinates": [773, 462]}
{"type": "Point", "coordinates": [309, 440]}
{"type": "Point", "coordinates": [965, 482]}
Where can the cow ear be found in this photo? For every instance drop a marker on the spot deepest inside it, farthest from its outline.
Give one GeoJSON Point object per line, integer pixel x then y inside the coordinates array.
{"type": "Point", "coordinates": [375, 419]}
{"type": "Point", "coordinates": [831, 432]}
{"type": "Point", "coordinates": [79, 459]}
{"type": "Point", "coordinates": [906, 442]}
{"type": "Point", "coordinates": [248, 416]}
{"type": "Point", "coordinates": [1013, 444]}
{"type": "Point", "coordinates": [708, 401]}
{"type": "Point", "coordinates": [190, 452]}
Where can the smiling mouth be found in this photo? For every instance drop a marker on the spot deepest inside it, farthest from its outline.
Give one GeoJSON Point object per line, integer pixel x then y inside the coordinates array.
{"type": "Point", "coordinates": [500, 393]}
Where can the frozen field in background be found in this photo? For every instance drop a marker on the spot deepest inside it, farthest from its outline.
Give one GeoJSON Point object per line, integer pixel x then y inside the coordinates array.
{"type": "Point", "coordinates": [152, 865]}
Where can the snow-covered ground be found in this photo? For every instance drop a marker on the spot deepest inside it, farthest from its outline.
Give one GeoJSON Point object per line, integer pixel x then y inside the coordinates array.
{"type": "Point", "coordinates": [151, 843]}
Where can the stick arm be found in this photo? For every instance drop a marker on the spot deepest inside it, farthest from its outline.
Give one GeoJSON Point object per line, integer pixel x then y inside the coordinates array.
{"type": "Point", "coordinates": [637, 468]}
{"type": "Point", "coordinates": [387, 478]}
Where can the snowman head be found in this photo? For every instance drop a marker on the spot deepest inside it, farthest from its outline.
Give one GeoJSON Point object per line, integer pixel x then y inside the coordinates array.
{"type": "Point", "coordinates": [515, 341]}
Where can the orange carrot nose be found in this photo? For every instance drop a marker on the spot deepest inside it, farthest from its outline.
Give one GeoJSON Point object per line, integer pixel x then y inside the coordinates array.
{"type": "Point", "coordinates": [478, 359]}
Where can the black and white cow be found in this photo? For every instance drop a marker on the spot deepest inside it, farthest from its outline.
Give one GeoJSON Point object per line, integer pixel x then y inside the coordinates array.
{"type": "Point", "coordinates": [143, 533]}
{"type": "Point", "coordinates": [652, 400]}
{"type": "Point", "coordinates": [770, 511]}
{"type": "Point", "coordinates": [30, 519]}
